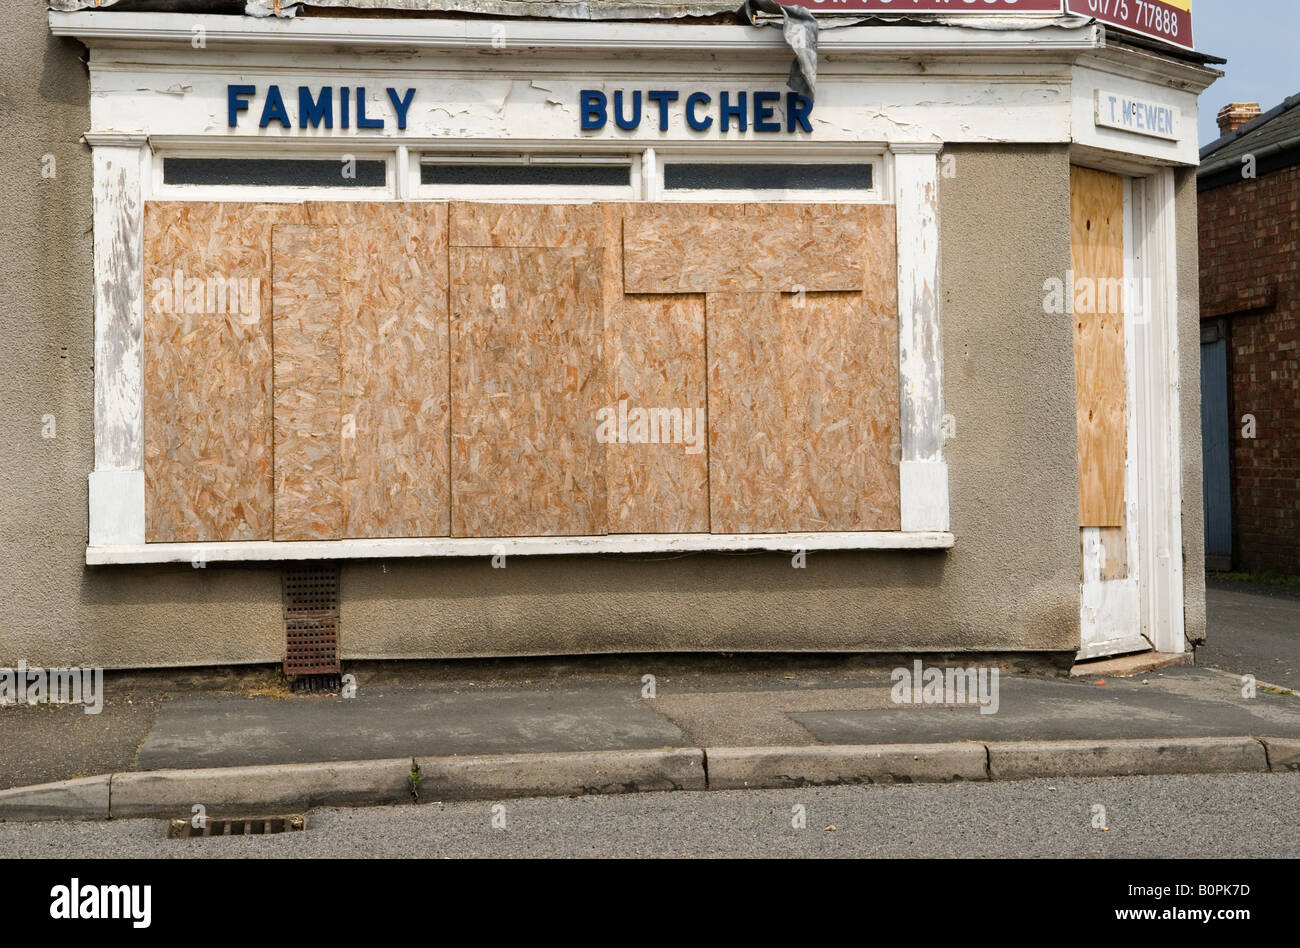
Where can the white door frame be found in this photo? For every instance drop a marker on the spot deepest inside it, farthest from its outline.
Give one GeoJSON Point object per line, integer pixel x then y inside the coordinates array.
{"type": "Point", "coordinates": [1145, 610]}
{"type": "Point", "coordinates": [1158, 415]}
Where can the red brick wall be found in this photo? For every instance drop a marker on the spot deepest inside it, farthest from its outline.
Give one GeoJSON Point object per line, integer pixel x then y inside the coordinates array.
{"type": "Point", "coordinates": [1250, 249]}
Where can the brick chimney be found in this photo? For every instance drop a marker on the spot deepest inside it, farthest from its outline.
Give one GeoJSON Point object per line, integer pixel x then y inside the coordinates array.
{"type": "Point", "coordinates": [1237, 114]}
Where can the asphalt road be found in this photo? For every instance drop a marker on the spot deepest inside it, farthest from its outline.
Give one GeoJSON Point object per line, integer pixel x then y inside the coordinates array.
{"type": "Point", "coordinates": [1248, 815]}
{"type": "Point", "coordinates": [1254, 630]}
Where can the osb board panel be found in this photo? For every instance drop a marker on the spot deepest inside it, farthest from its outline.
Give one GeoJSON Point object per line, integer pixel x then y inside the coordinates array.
{"type": "Point", "coordinates": [395, 364]}
{"type": "Point", "coordinates": [654, 363]}
{"type": "Point", "coordinates": [802, 413]}
{"type": "Point", "coordinates": [306, 292]}
{"type": "Point", "coordinates": [207, 368]}
{"type": "Point", "coordinates": [527, 382]}
{"type": "Point", "coordinates": [656, 441]}
{"type": "Point", "coordinates": [693, 248]}
{"type": "Point", "coordinates": [840, 382]}
{"type": "Point", "coordinates": [1097, 252]}
{"type": "Point", "coordinates": [526, 225]}
{"type": "Point", "coordinates": [749, 478]}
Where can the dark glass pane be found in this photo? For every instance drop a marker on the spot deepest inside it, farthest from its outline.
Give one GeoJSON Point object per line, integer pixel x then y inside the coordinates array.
{"type": "Point", "coordinates": [766, 177]}
{"type": "Point", "coordinates": [571, 175]}
{"type": "Point", "coordinates": [274, 172]}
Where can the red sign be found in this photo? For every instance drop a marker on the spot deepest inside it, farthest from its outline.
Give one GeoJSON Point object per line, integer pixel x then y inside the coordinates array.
{"type": "Point", "coordinates": [904, 7]}
{"type": "Point", "coordinates": [1167, 20]}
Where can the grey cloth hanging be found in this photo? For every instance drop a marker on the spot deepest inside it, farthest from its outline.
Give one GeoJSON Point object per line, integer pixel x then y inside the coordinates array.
{"type": "Point", "coordinates": [799, 27]}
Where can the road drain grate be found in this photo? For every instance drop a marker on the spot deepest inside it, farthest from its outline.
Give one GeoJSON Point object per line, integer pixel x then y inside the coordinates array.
{"type": "Point", "coordinates": [248, 826]}
{"type": "Point", "coordinates": [311, 620]}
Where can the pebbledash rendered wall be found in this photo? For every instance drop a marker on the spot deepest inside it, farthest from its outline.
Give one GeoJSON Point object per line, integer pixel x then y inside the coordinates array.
{"type": "Point", "coordinates": [1011, 583]}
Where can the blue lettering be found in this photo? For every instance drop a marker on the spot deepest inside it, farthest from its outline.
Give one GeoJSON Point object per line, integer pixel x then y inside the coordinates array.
{"type": "Point", "coordinates": [593, 110]}
{"type": "Point", "coordinates": [663, 97]}
{"type": "Point", "coordinates": [627, 124]}
{"type": "Point", "coordinates": [344, 92]}
{"type": "Point", "coordinates": [274, 110]}
{"type": "Point", "coordinates": [362, 121]}
{"type": "Point", "coordinates": [737, 110]}
{"type": "Point", "coordinates": [797, 108]}
{"type": "Point", "coordinates": [316, 112]}
{"type": "Point", "coordinates": [692, 101]}
{"type": "Point", "coordinates": [236, 101]}
{"type": "Point", "coordinates": [401, 105]}
{"type": "Point", "coordinates": [764, 114]}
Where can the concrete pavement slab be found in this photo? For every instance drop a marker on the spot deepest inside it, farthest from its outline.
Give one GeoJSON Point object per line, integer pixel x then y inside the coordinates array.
{"type": "Point", "coordinates": [1184, 702]}
{"type": "Point", "coordinates": [412, 722]}
{"type": "Point", "coordinates": [48, 742]}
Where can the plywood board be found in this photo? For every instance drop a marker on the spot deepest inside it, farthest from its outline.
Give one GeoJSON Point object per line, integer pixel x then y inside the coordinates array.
{"type": "Point", "coordinates": [749, 486]}
{"type": "Point", "coordinates": [654, 364]}
{"type": "Point", "coordinates": [527, 382]}
{"type": "Point", "coordinates": [656, 438]}
{"type": "Point", "coordinates": [395, 365]}
{"type": "Point", "coordinates": [803, 414]}
{"type": "Point", "coordinates": [803, 392]}
{"type": "Point", "coordinates": [526, 225]}
{"type": "Point", "coordinates": [207, 366]}
{"type": "Point", "coordinates": [1097, 251]}
{"type": "Point", "coordinates": [306, 290]}
{"type": "Point", "coordinates": [840, 383]}
{"type": "Point", "coordinates": [774, 248]}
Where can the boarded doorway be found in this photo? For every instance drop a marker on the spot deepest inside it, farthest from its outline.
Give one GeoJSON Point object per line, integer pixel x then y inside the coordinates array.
{"type": "Point", "coordinates": [1110, 599]}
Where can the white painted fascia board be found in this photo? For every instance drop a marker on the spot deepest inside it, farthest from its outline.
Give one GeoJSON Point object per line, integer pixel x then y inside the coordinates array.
{"type": "Point", "coordinates": [97, 28]}
{"type": "Point", "coordinates": [1129, 63]}
{"type": "Point", "coordinates": [272, 551]}
{"type": "Point", "coordinates": [223, 144]}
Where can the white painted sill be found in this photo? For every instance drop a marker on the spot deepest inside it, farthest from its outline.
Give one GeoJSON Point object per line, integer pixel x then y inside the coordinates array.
{"type": "Point", "coordinates": [270, 550]}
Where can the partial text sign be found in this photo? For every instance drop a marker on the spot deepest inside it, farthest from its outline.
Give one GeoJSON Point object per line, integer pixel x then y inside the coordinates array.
{"type": "Point", "coordinates": [904, 7]}
{"type": "Point", "coordinates": [1139, 116]}
{"type": "Point", "coordinates": [1167, 20]}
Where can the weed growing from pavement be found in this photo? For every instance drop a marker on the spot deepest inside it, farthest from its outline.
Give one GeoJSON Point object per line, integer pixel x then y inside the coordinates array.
{"type": "Point", "coordinates": [415, 779]}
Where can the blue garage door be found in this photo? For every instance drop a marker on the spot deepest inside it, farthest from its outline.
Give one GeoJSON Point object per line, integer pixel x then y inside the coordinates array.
{"type": "Point", "coordinates": [1215, 441]}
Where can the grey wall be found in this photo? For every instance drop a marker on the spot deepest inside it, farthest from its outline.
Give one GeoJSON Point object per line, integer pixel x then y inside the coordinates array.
{"type": "Point", "coordinates": [1010, 584]}
{"type": "Point", "coordinates": [53, 610]}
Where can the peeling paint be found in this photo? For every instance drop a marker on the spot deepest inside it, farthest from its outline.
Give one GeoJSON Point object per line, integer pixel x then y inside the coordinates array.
{"type": "Point", "coordinates": [550, 99]}
{"type": "Point", "coordinates": [119, 394]}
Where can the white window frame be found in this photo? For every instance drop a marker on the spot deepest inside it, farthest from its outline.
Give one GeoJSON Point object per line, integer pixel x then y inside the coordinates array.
{"type": "Point", "coordinates": [540, 193]}
{"type": "Point", "coordinates": [906, 175]}
{"type": "Point", "coordinates": [880, 192]}
{"type": "Point", "coordinates": [161, 150]}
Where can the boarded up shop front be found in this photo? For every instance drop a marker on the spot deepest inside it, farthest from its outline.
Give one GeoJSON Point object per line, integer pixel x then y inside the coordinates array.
{"type": "Point", "coordinates": [561, 342]}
